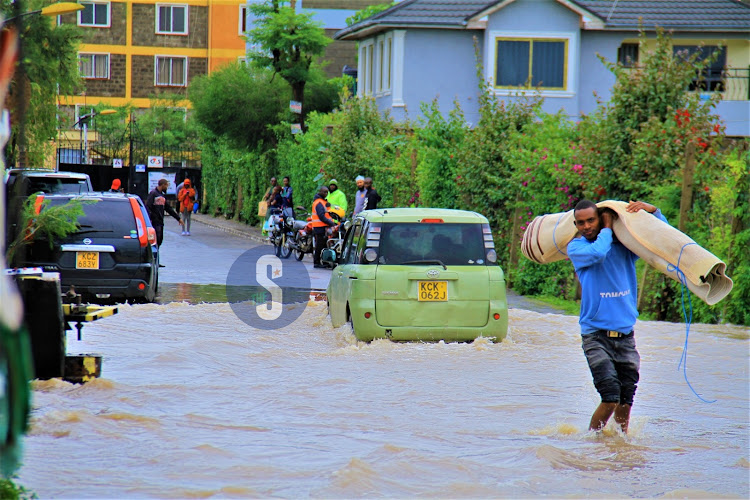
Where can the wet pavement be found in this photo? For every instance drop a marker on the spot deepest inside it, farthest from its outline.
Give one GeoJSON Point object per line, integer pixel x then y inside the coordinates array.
{"type": "Point", "coordinates": [197, 266]}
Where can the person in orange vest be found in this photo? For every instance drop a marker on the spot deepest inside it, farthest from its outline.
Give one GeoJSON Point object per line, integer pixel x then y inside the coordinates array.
{"type": "Point", "coordinates": [186, 197]}
{"type": "Point", "coordinates": [320, 220]}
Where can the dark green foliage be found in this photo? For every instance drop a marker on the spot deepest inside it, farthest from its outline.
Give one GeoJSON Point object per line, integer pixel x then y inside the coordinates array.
{"type": "Point", "coordinates": [239, 104]}
{"type": "Point", "coordinates": [49, 67]}
{"type": "Point", "coordinates": [437, 172]}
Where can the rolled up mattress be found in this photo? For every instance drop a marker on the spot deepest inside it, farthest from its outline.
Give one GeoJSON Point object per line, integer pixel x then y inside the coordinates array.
{"type": "Point", "coordinates": [659, 244]}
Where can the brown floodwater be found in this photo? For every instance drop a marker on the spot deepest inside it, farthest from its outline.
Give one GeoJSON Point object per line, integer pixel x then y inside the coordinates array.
{"type": "Point", "coordinates": [194, 403]}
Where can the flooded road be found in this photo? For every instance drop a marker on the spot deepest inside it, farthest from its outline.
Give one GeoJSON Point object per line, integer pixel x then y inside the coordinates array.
{"type": "Point", "coordinates": [194, 403]}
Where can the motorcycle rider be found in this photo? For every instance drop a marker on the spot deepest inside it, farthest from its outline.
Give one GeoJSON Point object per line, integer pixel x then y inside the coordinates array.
{"type": "Point", "coordinates": [336, 196]}
{"type": "Point", "coordinates": [320, 220]}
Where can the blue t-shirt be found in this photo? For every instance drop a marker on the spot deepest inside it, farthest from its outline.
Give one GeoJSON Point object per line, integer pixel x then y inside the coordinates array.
{"type": "Point", "coordinates": [606, 270]}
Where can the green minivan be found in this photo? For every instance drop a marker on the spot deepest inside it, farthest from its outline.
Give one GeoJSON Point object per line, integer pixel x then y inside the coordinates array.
{"type": "Point", "coordinates": [418, 274]}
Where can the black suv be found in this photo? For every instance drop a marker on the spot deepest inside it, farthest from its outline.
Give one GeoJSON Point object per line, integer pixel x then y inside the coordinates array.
{"type": "Point", "coordinates": [20, 183]}
{"type": "Point", "coordinates": [111, 256]}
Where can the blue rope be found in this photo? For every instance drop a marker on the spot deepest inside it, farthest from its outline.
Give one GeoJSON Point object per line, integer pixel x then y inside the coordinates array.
{"type": "Point", "coordinates": [688, 318]}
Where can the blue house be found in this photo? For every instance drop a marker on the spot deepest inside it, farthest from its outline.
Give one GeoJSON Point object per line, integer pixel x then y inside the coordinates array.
{"type": "Point", "coordinates": [420, 50]}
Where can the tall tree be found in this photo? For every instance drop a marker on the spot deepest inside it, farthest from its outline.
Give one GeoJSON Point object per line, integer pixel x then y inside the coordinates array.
{"type": "Point", "coordinates": [48, 66]}
{"type": "Point", "coordinates": [287, 43]}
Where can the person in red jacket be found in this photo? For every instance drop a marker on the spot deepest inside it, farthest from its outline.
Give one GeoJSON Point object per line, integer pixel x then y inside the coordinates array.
{"type": "Point", "coordinates": [186, 197]}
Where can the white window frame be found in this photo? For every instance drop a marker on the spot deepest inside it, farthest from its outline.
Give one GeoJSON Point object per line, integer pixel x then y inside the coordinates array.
{"type": "Point", "coordinates": [170, 6]}
{"type": "Point", "coordinates": [571, 64]}
{"type": "Point", "coordinates": [93, 23]}
{"type": "Point", "coordinates": [93, 65]}
{"type": "Point", "coordinates": [157, 57]}
{"type": "Point", "coordinates": [383, 65]}
{"type": "Point", "coordinates": [242, 28]}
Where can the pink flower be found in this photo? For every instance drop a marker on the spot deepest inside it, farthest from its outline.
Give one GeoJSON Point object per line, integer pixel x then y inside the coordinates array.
{"type": "Point", "coordinates": [524, 183]}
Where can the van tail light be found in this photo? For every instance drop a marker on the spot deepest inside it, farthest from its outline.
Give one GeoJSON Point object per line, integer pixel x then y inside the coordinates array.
{"type": "Point", "coordinates": [140, 223]}
{"type": "Point", "coordinates": [151, 235]}
{"type": "Point", "coordinates": [496, 316]}
{"type": "Point", "coordinates": [431, 221]}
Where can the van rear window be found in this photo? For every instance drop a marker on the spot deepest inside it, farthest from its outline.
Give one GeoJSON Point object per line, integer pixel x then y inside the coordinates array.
{"type": "Point", "coordinates": [451, 244]}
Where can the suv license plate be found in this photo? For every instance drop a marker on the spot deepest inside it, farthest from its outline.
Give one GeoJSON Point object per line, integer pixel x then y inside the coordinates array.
{"type": "Point", "coordinates": [87, 260]}
{"type": "Point", "coordinates": [433, 291]}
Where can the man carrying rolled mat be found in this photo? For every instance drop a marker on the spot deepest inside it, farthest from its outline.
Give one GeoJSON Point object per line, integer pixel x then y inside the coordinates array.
{"type": "Point", "coordinates": [606, 270]}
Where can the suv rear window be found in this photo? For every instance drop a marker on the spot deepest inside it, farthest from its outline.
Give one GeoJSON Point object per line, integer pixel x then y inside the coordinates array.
{"type": "Point", "coordinates": [57, 185]}
{"type": "Point", "coordinates": [452, 244]}
{"type": "Point", "coordinates": [115, 216]}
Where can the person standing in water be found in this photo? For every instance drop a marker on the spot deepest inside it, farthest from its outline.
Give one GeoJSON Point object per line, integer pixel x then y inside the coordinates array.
{"type": "Point", "coordinates": [606, 270]}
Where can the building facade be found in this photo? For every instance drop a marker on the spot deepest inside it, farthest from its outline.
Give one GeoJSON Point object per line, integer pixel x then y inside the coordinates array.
{"type": "Point", "coordinates": [134, 50]}
{"type": "Point", "coordinates": [424, 50]}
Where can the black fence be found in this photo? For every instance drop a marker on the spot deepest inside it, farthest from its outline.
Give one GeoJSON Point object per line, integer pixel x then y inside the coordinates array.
{"type": "Point", "coordinates": [133, 161]}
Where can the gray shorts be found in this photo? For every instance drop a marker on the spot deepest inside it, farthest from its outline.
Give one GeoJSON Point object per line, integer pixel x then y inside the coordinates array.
{"type": "Point", "coordinates": [614, 365]}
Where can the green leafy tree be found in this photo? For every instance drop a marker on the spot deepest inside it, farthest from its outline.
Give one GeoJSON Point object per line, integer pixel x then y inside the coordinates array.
{"type": "Point", "coordinates": [49, 66]}
{"type": "Point", "coordinates": [368, 11]}
{"type": "Point", "coordinates": [239, 104]}
{"type": "Point", "coordinates": [288, 44]}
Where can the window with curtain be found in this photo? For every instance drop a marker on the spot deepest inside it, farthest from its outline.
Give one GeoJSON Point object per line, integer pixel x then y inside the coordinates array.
{"type": "Point", "coordinates": [171, 71]}
{"type": "Point", "coordinates": [94, 14]}
{"type": "Point", "coordinates": [531, 63]}
{"type": "Point", "coordinates": [93, 65]}
{"type": "Point", "coordinates": [171, 19]}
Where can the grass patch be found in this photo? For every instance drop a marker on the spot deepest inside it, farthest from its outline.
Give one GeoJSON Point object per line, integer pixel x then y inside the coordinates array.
{"type": "Point", "coordinates": [570, 307]}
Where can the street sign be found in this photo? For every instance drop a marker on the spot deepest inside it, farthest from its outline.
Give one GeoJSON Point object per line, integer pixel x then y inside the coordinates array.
{"type": "Point", "coordinates": [296, 128]}
{"type": "Point", "coordinates": [295, 107]}
{"type": "Point", "coordinates": [155, 162]}
{"type": "Point", "coordinates": [140, 168]}
{"type": "Point", "coordinates": [117, 163]}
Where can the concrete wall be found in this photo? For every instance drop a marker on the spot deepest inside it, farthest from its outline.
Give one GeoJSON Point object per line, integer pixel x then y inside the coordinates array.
{"type": "Point", "coordinates": [438, 64]}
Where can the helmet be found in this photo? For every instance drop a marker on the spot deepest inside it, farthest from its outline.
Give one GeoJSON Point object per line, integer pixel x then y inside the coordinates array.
{"type": "Point", "coordinates": [336, 212]}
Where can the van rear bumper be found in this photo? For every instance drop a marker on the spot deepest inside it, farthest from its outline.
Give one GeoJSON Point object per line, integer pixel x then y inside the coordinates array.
{"type": "Point", "coordinates": [429, 334]}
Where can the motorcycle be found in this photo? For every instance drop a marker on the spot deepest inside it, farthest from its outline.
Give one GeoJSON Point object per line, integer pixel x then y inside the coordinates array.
{"type": "Point", "coordinates": [303, 241]}
{"type": "Point", "coordinates": [281, 231]}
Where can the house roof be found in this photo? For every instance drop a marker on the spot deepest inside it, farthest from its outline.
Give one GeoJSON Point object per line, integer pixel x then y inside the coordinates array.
{"type": "Point", "coordinates": [709, 15]}
{"type": "Point", "coordinates": [714, 15]}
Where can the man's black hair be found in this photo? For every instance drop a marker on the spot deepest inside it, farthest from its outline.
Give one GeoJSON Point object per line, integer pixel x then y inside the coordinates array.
{"type": "Point", "coordinates": [584, 204]}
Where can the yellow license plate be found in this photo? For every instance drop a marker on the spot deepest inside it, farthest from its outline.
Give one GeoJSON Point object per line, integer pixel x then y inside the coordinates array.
{"type": "Point", "coordinates": [87, 260]}
{"type": "Point", "coordinates": [433, 291]}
